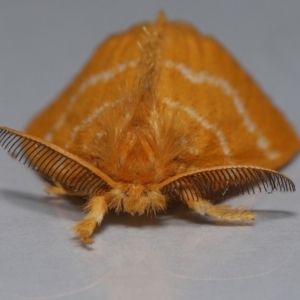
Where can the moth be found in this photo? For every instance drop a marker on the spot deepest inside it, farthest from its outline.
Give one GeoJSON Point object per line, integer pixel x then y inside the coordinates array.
{"type": "Point", "coordinates": [159, 113]}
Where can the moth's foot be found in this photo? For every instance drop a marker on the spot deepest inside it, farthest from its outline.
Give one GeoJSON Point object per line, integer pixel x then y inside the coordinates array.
{"type": "Point", "coordinates": [226, 212]}
{"type": "Point", "coordinates": [96, 208]}
{"type": "Point", "coordinates": [221, 212]}
{"type": "Point", "coordinates": [84, 230]}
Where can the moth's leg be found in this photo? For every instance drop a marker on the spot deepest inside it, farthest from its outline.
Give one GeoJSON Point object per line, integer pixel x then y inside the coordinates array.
{"type": "Point", "coordinates": [96, 209]}
{"type": "Point", "coordinates": [220, 212]}
{"type": "Point", "coordinates": [59, 190]}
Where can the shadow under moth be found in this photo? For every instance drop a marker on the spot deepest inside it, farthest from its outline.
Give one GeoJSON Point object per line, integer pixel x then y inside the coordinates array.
{"type": "Point", "coordinates": [159, 113]}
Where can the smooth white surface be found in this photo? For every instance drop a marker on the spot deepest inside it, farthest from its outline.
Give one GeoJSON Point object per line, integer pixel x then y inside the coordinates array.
{"type": "Point", "coordinates": [178, 255]}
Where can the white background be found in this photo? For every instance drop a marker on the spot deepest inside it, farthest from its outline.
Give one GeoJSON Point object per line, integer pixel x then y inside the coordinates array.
{"type": "Point", "coordinates": [177, 255]}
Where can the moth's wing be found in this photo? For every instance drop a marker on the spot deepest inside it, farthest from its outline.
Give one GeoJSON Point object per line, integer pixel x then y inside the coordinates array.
{"type": "Point", "coordinates": [217, 184]}
{"type": "Point", "coordinates": [225, 116]}
{"type": "Point", "coordinates": [54, 163]}
{"type": "Point", "coordinates": [100, 86]}
{"type": "Point", "coordinates": [229, 119]}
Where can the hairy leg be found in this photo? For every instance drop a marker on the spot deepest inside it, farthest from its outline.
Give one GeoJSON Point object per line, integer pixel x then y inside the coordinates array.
{"type": "Point", "coordinates": [96, 209]}
{"type": "Point", "coordinates": [220, 212]}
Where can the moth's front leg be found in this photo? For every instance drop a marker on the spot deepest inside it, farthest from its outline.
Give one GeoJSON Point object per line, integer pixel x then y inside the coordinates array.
{"type": "Point", "coordinates": [220, 212]}
{"type": "Point", "coordinates": [96, 209]}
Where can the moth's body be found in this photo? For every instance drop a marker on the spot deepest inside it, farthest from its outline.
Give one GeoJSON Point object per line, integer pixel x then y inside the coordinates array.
{"type": "Point", "coordinates": [155, 104]}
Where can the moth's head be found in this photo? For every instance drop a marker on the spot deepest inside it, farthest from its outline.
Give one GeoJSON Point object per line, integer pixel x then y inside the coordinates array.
{"type": "Point", "coordinates": [135, 199]}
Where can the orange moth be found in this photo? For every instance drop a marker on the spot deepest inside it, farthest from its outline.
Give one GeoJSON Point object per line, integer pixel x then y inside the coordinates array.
{"type": "Point", "coordinates": [160, 112]}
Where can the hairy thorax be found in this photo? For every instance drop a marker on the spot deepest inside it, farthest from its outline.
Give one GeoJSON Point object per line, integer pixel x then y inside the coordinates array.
{"type": "Point", "coordinates": [135, 199]}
